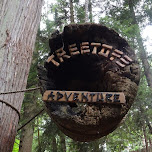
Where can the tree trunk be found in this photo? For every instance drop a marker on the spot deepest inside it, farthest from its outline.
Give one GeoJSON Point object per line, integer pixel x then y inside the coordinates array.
{"type": "Point", "coordinates": [19, 22]}
{"type": "Point", "coordinates": [142, 51]}
{"type": "Point", "coordinates": [96, 146]}
{"type": "Point", "coordinates": [90, 11]}
{"type": "Point", "coordinates": [150, 143]}
{"type": "Point", "coordinates": [28, 130]}
{"type": "Point", "coordinates": [62, 142]}
{"type": "Point", "coordinates": [145, 137]}
{"type": "Point", "coordinates": [54, 145]}
{"type": "Point", "coordinates": [86, 10]}
{"type": "Point", "coordinates": [142, 110]}
{"type": "Point", "coordinates": [26, 138]}
{"type": "Point", "coordinates": [142, 122]}
{"type": "Point", "coordinates": [38, 134]}
{"type": "Point", "coordinates": [149, 125]}
{"type": "Point", "coordinates": [71, 12]}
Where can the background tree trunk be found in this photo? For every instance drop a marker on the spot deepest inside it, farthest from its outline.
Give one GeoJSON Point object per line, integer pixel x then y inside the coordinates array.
{"type": "Point", "coordinates": [90, 11]}
{"type": "Point", "coordinates": [54, 145]}
{"type": "Point", "coordinates": [62, 142]}
{"type": "Point", "coordinates": [145, 137]}
{"type": "Point", "coordinates": [142, 51]}
{"type": "Point", "coordinates": [27, 132]}
{"type": "Point", "coordinates": [71, 11]}
{"type": "Point", "coordinates": [19, 22]}
{"type": "Point", "coordinates": [26, 138]}
{"type": "Point", "coordinates": [86, 10]}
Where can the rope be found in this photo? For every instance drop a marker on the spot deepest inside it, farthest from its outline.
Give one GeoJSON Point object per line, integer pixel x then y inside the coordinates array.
{"type": "Point", "coordinates": [26, 90]}
{"type": "Point", "coordinates": [30, 120]}
{"type": "Point", "coordinates": [11, 107]}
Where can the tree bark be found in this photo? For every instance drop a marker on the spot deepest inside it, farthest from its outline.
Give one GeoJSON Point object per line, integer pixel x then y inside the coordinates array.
{"type": "Point", "coordinates": [28, 130]}
{"type": "Point", "coordinates": [86, 10]}
{"type": "Point", "coordinates": [142, 51]}
{"type": "Point", "coordinates": [96, 146]}
{"type": "Point", "coordinates": [142, 110]}
{"type": "Point", "coordinates": [54, 145]}
{"type": "Point", "coordinates": [38, 134]}
{"type": "Point", "coordinates": [19, 22]}
{"type": "Point", "coordinates": [26, 138]}
{"type": "Point", "coordinates": [90, 11]}
{"type": "Point", "coordinates": [62, 142]}
{"type": "Point", "coordinates": [71, 11]}
{"type": "Point", "coordinates": [145, 137]}
{"type": "Point", "coordinates": [150, 143]}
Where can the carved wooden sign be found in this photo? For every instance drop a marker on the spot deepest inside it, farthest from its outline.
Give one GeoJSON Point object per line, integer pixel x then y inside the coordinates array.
{"type": "Point", "coordinates": [80, 96]}
{"type": "Point", "coordinates": [104, 50]}
{"type": "Point", "coordinates": [100, 68]}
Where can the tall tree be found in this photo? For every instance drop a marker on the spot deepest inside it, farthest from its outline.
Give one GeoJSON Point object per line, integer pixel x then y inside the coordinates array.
{"type": "Point", "coordinates": [62, 142]}
{"type": "Point", "coordinates": [90, 11]}
{"type": "Point", "coordinates": [71, 11]}
{"type": "Point", "coordinates": [142, 51]}
{"type": "Point", "coordinates": [19, 22]}
{"type": "Point", "coordinates": [30, 106]}
{"type": "Point", "coordinates": [86, 10]}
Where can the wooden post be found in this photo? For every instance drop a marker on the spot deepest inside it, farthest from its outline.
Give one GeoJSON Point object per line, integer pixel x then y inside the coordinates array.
{"type": "Point", "coordinates": [19, 22]}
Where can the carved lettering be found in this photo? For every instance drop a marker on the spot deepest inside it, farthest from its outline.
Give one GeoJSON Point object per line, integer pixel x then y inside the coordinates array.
{"type": "Point", "coordinates": [75, 97]}
{"type": "Point", "coordinates": [118, 51]}
{"type": "Point", "coordinates": [107, 46]}
{"type": "Point", "coordinates": [128, 58]}
{"type": "Point", "coordinates": [79, 96]}
{"type": "Point", "coordinates": [100, 97]}
{"type": "Point", "coordinates": [114, 55]}
{"type": "Point", "coordinates": [61, 54]}
{"type": "Point", "coordinates": [59, 95]}
{"type": "Point", "coordinates": [96, 45]}
{"type": "Point", "coordinates": [51, 95]}
{"type": "Point", "coordinates": [85, 47]}
{"type": "Point", "coordinates": [51, 58]}
{"type": "Point", "coordinates": [120, 64]}
{"type": "Point", "coordinates": [116, 98]}
{"type": "Point", "coordinates": [106, 51]}
{"type": "Point", "coordinates": [124, 61]}
{"type": "Point", "coordinates": [67, 96]}
{"type": "Point", "coordinates": [73, 49]}
{"type": "Point", "coordinates": [84, 97]}
{"type": "Point", "coordinates": [108, 97]}
{"type": "Point", "coordinates": [92, 95]}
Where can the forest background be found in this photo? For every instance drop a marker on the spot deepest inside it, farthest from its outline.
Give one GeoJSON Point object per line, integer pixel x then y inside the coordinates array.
{"type": "Point", "coordinates": [127, 17]}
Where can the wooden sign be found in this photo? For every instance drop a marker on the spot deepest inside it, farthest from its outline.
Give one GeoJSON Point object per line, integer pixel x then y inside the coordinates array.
{"type": "Point", "coordinates": [103, 50]}
{"type": "Point", "coordinates": [82, 96]}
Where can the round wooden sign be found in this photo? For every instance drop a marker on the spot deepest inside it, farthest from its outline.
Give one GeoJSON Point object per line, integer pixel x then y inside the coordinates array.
{"type": "Point", "coordinates": [89, 80]}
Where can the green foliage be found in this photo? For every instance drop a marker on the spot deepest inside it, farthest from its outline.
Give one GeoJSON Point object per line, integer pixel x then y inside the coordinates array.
{"type": "Point", "coordinates": [16, 145]}
{"type": "Point", "coordinates": [80, 13]}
